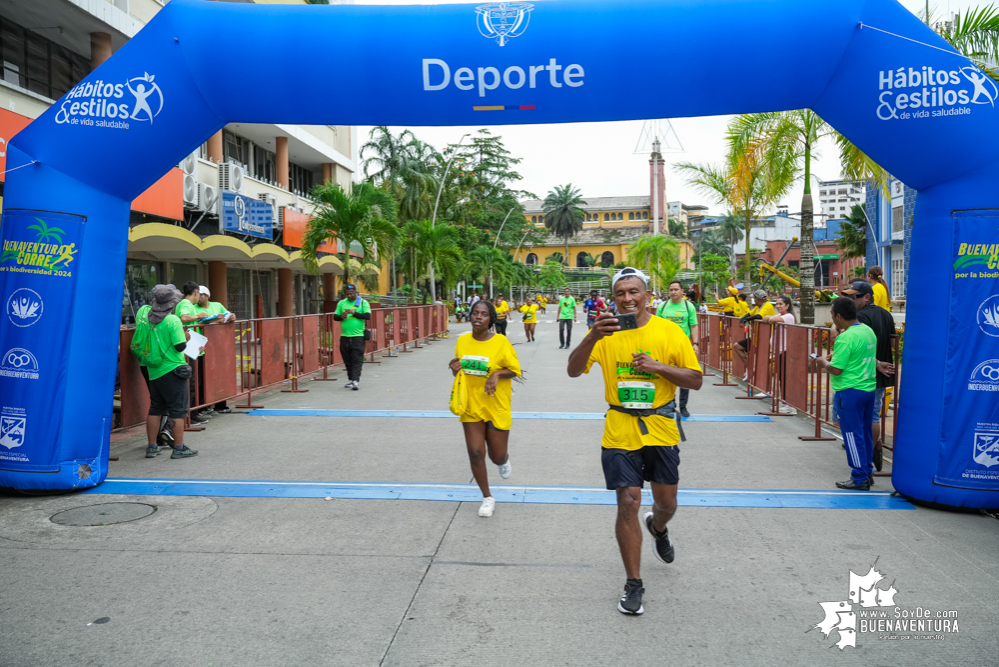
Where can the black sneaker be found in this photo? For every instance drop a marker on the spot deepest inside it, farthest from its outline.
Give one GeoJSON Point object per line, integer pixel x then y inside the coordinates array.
{"type": "Point", "coordinates": [662, 546]}
{"type": "Point", "coordinates": [850, 485]}
{"type": "Point", "coordinates": [152, 451]}
{"type": "Point", "coordinates": [683, 411]}
{"type": "Point", "coordinates": [631, 601]}
{"type": "Point", "coordinates": [223, 411]}
{"type": "Point", "coordinates": [183, 453]}
{"type": "Point", "coordinates": [164, 439]}
{"type": "Point", "coordinates": [198, 420]}
{"type": "Point", "coordinates": [870, 480]}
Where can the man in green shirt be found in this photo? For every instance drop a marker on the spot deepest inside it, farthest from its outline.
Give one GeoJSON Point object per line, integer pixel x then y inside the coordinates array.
{"type": "Point", "coordinates": [566, 316]}
{"type": "Point", "coordinates": [352, 312]}
{"type": "Point", "coordinates": [852, 370]}
{"type": "Point", "coordinates": [168, 371]}
{"type": "Point", "coordinates": [187, 311]}
{"type": "Point", "coordinates": [681, 312]}
{"type": "Point", "coordinates": [213, 308]}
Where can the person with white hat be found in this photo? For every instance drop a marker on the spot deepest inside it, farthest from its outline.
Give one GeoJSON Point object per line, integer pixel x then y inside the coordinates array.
{"type": "Point", "coordinates": [213, 307]}
{"type": "Point", "coordinates": [643, 360]}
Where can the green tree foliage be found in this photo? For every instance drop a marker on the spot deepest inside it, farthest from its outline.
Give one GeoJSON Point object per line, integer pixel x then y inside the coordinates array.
{"type": "Point", "coordinates": [714, 270]}
{"type": "Point", "coordinates": [852, 235]}
{"type": "Point", "coordinates": [552, 275]}
{"type": "Point", "coordinates": [436, 245]}
{"type": "Point", "coordinates": [563, 213]}
{"type": "Point", "coordinates": [658, 256]}
{"type": "Point", "coordinates": [555, 257]}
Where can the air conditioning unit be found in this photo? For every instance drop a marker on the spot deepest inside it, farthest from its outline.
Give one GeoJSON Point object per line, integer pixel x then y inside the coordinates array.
{"type": "Point", "coordinates": [208, 198]}
{"type": "Point", "coordinates": [191, 191]}
{"type": "Point", "coordinates": [275, 215]}
{"type": "Point", "coordinates": [231, 177]}
{"type": "Point", "coordinates": [190, 164]}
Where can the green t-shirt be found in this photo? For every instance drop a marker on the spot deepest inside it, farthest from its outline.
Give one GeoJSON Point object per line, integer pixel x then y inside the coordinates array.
{"type": "Point", "coordinates": [165, 335]}
{"type": "Point", "coordinates": [214, 308]}
{"type": "Point", "coordinates": [351, 326]}
{"type": "Point", "coordinates": [567, 308]}
{"type": "Point", "coordinates": [185, 307]}
{"type": "Point", "coordinates": [683, 314]}
{"type": "Point", "coordinates": [853, 353]}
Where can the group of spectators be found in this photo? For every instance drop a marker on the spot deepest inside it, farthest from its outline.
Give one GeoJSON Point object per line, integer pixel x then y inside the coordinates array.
{"type": "Point", "coordinates": [160, 344]}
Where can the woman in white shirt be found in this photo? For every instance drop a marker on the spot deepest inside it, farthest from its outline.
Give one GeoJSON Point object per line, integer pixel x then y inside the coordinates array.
{"type": "Point", "coordinates": [785, 315]}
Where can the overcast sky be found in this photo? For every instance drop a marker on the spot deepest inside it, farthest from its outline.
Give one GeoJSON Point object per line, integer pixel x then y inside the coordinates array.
{"type": "Point", "coordinates": [599, 158]}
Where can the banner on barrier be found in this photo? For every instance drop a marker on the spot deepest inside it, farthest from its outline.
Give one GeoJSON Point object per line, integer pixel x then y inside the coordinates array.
{"type": "Point", "coordinates": [38, 273]}
{"type": "Point", "coordinates": [969, 455]}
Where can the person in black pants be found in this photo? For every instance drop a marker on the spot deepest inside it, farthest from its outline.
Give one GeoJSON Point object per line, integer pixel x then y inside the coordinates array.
{"type": "Point", "coordinates": [502, 308]}
{"type": "Point", "coordinates": [352, 312]}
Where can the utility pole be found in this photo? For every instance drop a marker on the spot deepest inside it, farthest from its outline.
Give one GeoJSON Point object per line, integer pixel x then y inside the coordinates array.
{"type": "Point", "coordinates": [433, 220]}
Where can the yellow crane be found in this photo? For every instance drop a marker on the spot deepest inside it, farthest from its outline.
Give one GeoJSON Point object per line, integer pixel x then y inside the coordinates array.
{"type": "Point", "coordinates": [821, 296]}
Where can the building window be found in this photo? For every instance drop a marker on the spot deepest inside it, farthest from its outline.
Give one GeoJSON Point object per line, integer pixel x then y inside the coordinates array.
{"type": "Point", "coordinates": [822, 192]}
{"type": "Point", "coordinates": [645, 215]}
{"type": "Point", "coordinates": [299, 179]}
{"type": "Point", "coordinates": [140, 278]}
{"type": "Point", "coordinates": [631, 217]}
{"type": "Point", "coordinates": [532, 259]}
{"type": "Point", "coordinates": [32, 62]}
{"type": "Point", "coordinates": [235, 148]}
{"type": "Point", "coordinates": [607, 259]}
{"type": "Point", "coordinates": [898, 278]}
{"type": "Point", "coordinates": [896, 219]}
{"type": "Point", "coordinates": [534, 219]}
{"type": "Point", "coordinates": [581, 260]}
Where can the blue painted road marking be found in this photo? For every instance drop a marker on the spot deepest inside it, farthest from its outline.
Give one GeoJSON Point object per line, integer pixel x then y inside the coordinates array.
{"type": "Point", "coordinates": [550, 495]}
{"type": "Point", "coordinates": [444, 414]}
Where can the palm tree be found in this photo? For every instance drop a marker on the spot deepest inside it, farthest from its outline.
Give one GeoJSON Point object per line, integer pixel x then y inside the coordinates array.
{"type": "Point", "coordinates": [731, 230]}
{"type": "Point", "coordinates": [563, 215]}
{"type": "Point", "coordinates": [555, 257]}
{"type": "Point", "coordinates": [484, 259]}
{"type": "Point", "coordinates": [852, 236]}
{"type": "Point", "coordinates": [435, 245]}
{"type": "Point", "coordinates": [975, 34]}
{"type": "Point", "coordinates": [390, 153]}
{"type": "Point", "coordinates": [658, 256]}
{"type": "Point", "coordinates": [362, 216]}
{"type": "Point", "coordinates": [713, 241]}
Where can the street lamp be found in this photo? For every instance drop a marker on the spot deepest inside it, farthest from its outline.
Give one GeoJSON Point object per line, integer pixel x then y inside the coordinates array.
{"type": "Point", "coordinates": [494, 248]}
{"type": "Point", "coordinates": [433, 220]}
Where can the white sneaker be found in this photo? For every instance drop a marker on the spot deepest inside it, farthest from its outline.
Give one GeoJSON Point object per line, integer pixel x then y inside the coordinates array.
{"type": "Point", "coordinates": [354, 385]}
{"type": "Point", "coordinates": [504, 470]}
{"type": "Point", "coordinates": [488, 505]}
{"type": "Point", "coordinates": [349, 385]}
{"type": "Point", "coordinates": [787, 409]}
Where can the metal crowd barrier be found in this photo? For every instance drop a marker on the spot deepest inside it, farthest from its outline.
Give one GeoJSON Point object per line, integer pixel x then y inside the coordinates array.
{"type": "Point", "coordinates": [250, 356]}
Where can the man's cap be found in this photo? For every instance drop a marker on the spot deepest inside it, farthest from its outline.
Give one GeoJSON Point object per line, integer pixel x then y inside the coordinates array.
{"type": "Point", "coordinates": [759, 294]}
{"type": "Point", "coordinates": [350, 286]}
{"type": "Point", "coordinates": [629, 272]}
{"type": "Point", "coordinates": [733, 291]}
{"type": "Point", "coordinates": [858, 287]}
{"type": "Point", "coordinates": [204, 290]}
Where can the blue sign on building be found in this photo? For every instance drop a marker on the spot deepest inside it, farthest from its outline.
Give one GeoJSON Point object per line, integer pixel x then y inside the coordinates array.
{"type": "Point", "coordinates": [245, 215]}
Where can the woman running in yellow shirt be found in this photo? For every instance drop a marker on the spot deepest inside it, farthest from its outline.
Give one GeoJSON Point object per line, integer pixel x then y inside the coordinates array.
{"type": "Point", "coordinates": [530, 310]}
{"type": "Point", "coordinates": [488, 362]}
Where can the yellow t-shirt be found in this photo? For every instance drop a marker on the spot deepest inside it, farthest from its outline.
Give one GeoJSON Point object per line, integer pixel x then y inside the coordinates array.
{"type": "Point", "coordinates": [479, 360]}
{"type": "Point", "coordinates": [501, 310]}
{"type": "Point", "coordinates": [728, 304]}
{"type": "Point", "coordinates": [881, 296]}
{"type": "Point", "coordinates": [530, 313]}
{"type": "Point", "coordinates": [662, 340]}
{"type": "Point", "coordinates": [766, 310]}
{"type": "Point", "coordinates": [741, 308]}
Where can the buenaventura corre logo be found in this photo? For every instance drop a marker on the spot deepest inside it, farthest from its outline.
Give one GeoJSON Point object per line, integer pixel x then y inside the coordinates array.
{"type": "Point", "coordinates": [925, 92]}
{"type": "Point", "coordinates": [112, 105]}
{"type": "Point", "coordinates": [871, 610]}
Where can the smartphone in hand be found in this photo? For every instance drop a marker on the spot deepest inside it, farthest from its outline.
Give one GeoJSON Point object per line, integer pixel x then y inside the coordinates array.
{"type": "Point", "coordinates": [627, 321]}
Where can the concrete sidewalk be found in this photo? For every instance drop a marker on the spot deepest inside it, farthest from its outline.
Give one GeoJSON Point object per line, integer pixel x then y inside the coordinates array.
{"type": "Point", "coordinates": [289, 581]}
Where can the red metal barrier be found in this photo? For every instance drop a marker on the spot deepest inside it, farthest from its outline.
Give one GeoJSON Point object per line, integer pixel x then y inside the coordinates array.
{"type": "Point", "coordinates": [259, 354]}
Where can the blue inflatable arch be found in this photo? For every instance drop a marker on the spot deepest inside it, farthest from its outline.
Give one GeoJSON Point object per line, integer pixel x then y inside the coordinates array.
{"type": "Point", "coordinates": [868, 67]}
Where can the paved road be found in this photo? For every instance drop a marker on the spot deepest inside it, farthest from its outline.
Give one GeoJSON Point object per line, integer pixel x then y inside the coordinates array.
{"type": "Point", "coordinates": [229, 580]}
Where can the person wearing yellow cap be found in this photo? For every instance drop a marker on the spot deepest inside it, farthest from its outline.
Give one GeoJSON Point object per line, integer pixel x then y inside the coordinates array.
{"type": "Point", "coordinates": [730, 304]}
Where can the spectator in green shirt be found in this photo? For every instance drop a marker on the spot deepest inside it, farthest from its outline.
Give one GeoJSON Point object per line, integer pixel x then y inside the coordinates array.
{"type": "Point", "coordinates": [683, 313]}
{"type": "Point", "coordinates": [187, 311]}
{"type": "Point", "coordinates": [352, 312]}
{"type": "Point", "coordinates": [168, 371]}
{"type": "Point", "coordinates": [213, 309]}
{"type": "Point", "coordinates": [852, 370]}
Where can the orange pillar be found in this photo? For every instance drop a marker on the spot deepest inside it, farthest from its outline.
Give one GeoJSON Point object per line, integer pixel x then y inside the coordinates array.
{"type": "Point", "coordinates": [281, 145]}
{"type": "Point", "coordinates": [327, 172]}
{"type": "Point", "coordinates": [218, 283]}
{"type": "Point", "coordinates": [286, 293]}
{"type": "Point", "coordinates": [215, 151]}
{"type": "Point", "coordinates": [100, 48]}
{"type": "Point", "coordinates": [329, 292]}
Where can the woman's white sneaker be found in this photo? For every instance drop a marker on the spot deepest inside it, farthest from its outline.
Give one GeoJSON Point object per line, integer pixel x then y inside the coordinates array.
{"type": "Point", "coordinates": [504, 470]}
{"type": "Point", "coordinates": [487, 507]}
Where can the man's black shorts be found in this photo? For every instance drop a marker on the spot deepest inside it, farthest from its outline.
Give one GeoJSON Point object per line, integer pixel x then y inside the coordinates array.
{"type": "Point", "coordinates": [168, 395]}
{"type": "Point", "coordinates": [744, 344]}
{"type": "Point", "coordinates": [649, 464]}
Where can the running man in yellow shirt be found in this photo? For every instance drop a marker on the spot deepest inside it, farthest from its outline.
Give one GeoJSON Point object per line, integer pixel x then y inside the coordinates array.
{"type": "Point", "coordinates": [530, 311]}
{"type": "Point", "coordinates": [642, 368]}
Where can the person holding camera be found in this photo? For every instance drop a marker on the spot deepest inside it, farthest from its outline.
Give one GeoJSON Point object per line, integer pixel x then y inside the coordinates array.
{"type": "Point", "coordinates": [352, 312]}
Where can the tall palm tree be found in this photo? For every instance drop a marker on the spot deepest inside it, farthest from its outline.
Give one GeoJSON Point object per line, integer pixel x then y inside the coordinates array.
{"type": "Point", "coordinates": [435, 245]}
{"type": "Point", "coordinates": [362, 216]}
{"type": "Point", "coordinates": [658, 256]}
{"type": "Point", "coordinates": [852, 236]}
{"type": "Point", "coordinates": [563, 215]}
{"type": "Point", "coordinates": [975, 34]}
{"type": "Point", "coordinates": [713, 241]}
{"type": "Point", "coordinates": [731, 230]}
{"type": "Point", "coordinates": [484, 259]}
{"type": "Point", "coordinates": [387, 154]}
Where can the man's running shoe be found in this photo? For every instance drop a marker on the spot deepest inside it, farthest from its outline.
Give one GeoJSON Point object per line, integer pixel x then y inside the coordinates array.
{"type": "Point", "coordinates": [850, 485]}
{"type": "Point", "coordinates": [152, 451]}
{"type": "Point", "coordinates": [684, 412]}
{"type": "Point", "coordinates": [184, 452]}
{"type": "Point", "coordinates": [504, 470]}
{"type": "Point", "coordinates": [662, 546]}
{"type": "Point", "coordinates": [196, 420]}
{"type": "Point", "coordinates": [488, 505]}
{"type": "Point", "coordinates": [354, 385]}
{"type": "Point", "coordinates": [631, 601]}
{"type": "Point", "coordinates": [349, 385]}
